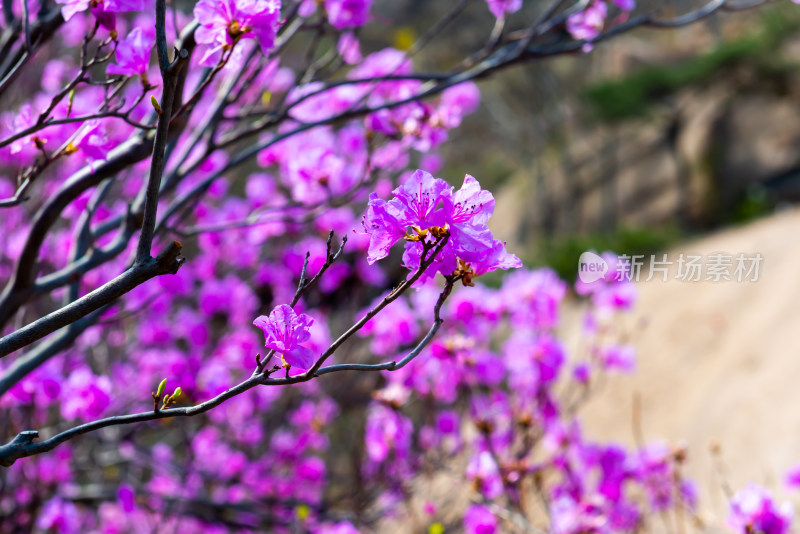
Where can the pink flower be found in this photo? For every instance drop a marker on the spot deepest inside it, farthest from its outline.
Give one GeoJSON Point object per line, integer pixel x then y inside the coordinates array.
{"type": "Point", "coordinates": [91, 140]}
{"type": "Point", "coordinates": [59, 516]}
{"type": "Point", "coordinates": [793, 475]}
{"type": "Point", "coordinates": [387, 433]}
{"type": "Point", "coordinates": [619, 357]}
{"type": "Point", "coordinates": [223, 23]}
{"type": "Point", "coordinates": [347, 13]}
{"type": "Point", "coordinates": [482, 470]}
{"type": "Point", "coordinates": [349, 48]}
{"type": "Point", "coordinates": [425, 202]}
{"type": "Point", "coordinates": [456, 102]}
{"type": "Point", "coordinates": [284, 331]}
{"type": "Point", "coordinates": [754, 510]}
{"type": "Point", "coordinates": [133, 54]}
{"type": "Point", "coordinates": [382, 222]}
{"type": "Point", "coordinates": [103, 10]}
{"type": "Point", "coordinates": [587, 24]}
{"type": "Point", "coordinates": [85, 395]}
{"type": "Point", "coordinates": [479, 520]}
{"type": "Point", "coordinates": [500, 7]}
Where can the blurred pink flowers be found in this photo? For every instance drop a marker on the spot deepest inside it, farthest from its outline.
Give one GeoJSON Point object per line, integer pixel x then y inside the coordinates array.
{"type": "Point", "coordinates": [753, 509]}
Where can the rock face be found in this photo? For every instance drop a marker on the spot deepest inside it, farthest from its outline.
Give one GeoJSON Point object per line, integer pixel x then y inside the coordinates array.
{"type": "Point", "coordinates": [718, 363]}
{"type": "Point", "coordinates": [698, 154]}
{"type": "Point", "coordinates": [692, 168]}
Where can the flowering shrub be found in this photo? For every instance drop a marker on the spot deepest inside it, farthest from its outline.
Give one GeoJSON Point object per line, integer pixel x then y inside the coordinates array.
{"type": "Point", "coordinates": [158, 210]}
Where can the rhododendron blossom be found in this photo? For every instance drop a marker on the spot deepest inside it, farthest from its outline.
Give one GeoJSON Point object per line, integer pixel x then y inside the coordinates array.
{"type": "Point", "coordinates": [426, 203]}
{"type": "Point", "coordinates": [347, 13]}
{"type": "Point", "coordinates": [499, 8]}
{"type": "Point", "coordinates": [223, 23]}
{"type": "Point", "coordinates": [587, 24]}
{"type": "Point", "coordinates": [753, 509]}
{"type": "Point", "coordinates": [133, 54]}
{"type": "Point", "coordinates": [103, 10]}
{"type": "Point", "coordinates": [284, 331]}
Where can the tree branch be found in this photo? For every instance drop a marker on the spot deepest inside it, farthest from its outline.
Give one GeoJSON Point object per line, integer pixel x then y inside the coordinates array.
{"type": "Point", "coordinates": [169, 261]}
{"type": "Point", "coordinates": [23, 444]}
{"type": "Point", "coordinates": [169, 75]}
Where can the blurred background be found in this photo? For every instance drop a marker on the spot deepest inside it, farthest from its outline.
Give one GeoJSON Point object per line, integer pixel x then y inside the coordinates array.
{"type": "Point", "coordinates": [679, 141]}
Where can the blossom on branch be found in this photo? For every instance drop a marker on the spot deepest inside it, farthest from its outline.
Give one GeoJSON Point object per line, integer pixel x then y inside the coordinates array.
{"type": "Point", "coordinates": [425, 205]}
{"type": "Point", "coordinates": [223, 24]}
{"type": "Point", "coordinates": [284, 331]}
{"type": "Point", "coordinates": [133, 54]}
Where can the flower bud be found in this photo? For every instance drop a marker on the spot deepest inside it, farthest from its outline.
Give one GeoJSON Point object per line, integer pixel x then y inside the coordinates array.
{"type": "Point", "coordinates": [161, 387]}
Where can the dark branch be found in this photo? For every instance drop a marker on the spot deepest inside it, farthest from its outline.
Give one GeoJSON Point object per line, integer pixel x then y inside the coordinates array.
{"type": "Point", "coordinates": [169, 75]}
{"type": "Point", "coordinates": [23, 445]}
{"type": "Point", "coordinates": [169, 261]}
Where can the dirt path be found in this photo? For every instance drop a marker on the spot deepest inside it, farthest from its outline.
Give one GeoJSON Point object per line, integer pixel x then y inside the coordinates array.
{"type": "Point", "coordinates": [719, 362]}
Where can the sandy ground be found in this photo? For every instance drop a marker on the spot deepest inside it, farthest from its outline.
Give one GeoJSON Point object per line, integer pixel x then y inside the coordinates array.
{"type": "Point", "coordinates": [719, 362]}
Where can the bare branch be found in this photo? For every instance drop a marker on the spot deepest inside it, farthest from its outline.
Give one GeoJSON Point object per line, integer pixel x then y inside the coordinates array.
{"type": "Point", "coordinates": [169, 261]}
{"type": "Point", "coordinates": [330, 257]}
{"type": "Point", "coordinates": [169, 75]}
{"type": "Point", "coordinates": [23, 444]}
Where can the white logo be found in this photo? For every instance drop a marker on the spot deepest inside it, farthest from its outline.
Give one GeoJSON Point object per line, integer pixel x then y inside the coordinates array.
{"type": "Point", "coordinates": [591, 267]}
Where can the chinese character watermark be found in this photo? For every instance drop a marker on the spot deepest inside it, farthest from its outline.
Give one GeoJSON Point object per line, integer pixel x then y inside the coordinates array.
{"type": "Point", "coordinates": [717, 267]}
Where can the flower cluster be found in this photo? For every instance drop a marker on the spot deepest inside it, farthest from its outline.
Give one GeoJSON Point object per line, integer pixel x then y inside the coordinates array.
{"type": "Point", "coordinates": [424, 209]}
{"type": "Point", "coordinates": [753, 509]}
{"type": "Point", "coordinates": [224, 23]}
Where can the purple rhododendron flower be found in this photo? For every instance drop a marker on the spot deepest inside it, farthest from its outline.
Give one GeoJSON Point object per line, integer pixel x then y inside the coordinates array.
{"type": "Point", "coordinates": [91, 140]}
{"type": "Point", "coordinates": [479, 520]}
{"type": "Point", "coordinates": [222, 23]}
{"type": "Point", "coordinates": [383, 223]}
{"type": "Point", "coordinates": [619, 357]}
{"type": "Point", "coordinates": [387, 433]}
{"type": "Point", "coordinates": [103, 10]}
{"type": "Point", "coordinates": [343, 527]}
{"type": "Point", "coordinates": [347, 13]}
{"type": "Point", "coordinates": [626, 5]}
{"type": "Point", "coordinates": [587, 24]}
{"type": "Point", "coordinates": [349, 48]}
{"type": "Point", "coordinates": [456, 102]}
{"type": "Point", "coordinates": [59, 515]}
{"type": "Point", "coordinates": [500, 7]}
{"type": "Point", "coordinates": [284, 331]}
{"type": "Point", "coordinates": [86, 396]}
{"type": "Point", "coordinates": [424, 202]}
{"type": "Point", "coordinates": [792, 478]}
{"type": "Point", "coordinates": [418, 198]}
{"type": "Point", "coordinates": [133, 54]}
{"type": "Point", "coordinates": [754, 510]}
{"type": "Point", "coordinates": [482, 470]}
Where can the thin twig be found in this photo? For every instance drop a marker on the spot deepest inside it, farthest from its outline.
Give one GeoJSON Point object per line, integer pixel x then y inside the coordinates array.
{"type": "Point", "coordinates": [23, 444]}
